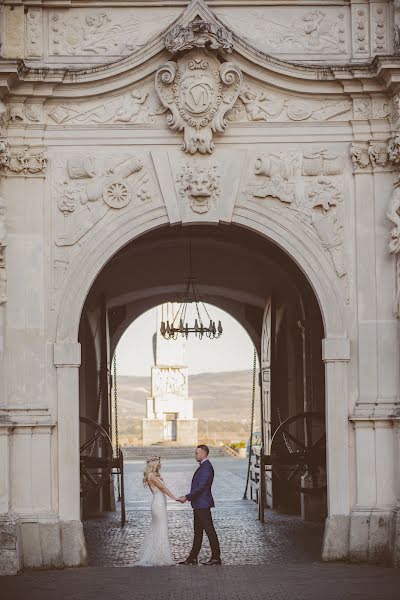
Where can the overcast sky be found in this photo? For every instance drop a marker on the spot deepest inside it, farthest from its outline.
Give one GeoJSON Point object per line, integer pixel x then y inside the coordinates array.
{"type": "Point", "coordinates": [232, 351]}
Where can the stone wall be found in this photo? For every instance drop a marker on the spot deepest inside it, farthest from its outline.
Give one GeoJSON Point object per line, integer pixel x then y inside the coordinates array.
{"type": "Point", "coordinates": [304, 155]}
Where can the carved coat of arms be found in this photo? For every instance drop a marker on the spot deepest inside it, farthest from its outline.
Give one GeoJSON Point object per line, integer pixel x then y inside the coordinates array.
{"type": "Point", "coordinates": [199, 91]}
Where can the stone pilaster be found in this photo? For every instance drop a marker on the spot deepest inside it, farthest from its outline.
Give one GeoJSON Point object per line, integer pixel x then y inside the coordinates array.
{"type": "Point", "coordinates": [336, 355]}
{"type": "Point", "coordinates": [67, 359]}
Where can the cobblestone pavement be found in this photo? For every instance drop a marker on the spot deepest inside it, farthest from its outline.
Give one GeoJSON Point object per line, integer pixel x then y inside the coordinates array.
{"type": "Point", "coordinates": [276, 561]}
{"type": "Point", "coordinates": [245, 582]}
{"type": "Point", "coordinates": [243, 539]}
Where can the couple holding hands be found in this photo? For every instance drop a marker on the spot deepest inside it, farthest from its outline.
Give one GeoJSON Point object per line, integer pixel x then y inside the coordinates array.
{"type": "Point", "coordinates": [156, 548]}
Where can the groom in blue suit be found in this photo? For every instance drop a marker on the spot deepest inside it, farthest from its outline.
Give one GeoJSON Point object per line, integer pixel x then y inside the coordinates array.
{"type": "Point", "coordinates": [202, 501]}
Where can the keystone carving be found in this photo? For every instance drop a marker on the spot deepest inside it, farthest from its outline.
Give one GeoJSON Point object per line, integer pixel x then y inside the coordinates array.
{"type": "Point", "coordinates": [198, 91]}
{"type": "Point", "coordinates": [199, 185]}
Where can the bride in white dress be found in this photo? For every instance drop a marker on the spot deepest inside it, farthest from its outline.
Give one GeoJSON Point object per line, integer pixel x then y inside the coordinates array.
{"type": "Point", "coordinates": [156, 549]}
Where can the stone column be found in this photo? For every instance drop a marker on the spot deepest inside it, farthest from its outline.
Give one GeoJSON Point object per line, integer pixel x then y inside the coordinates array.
{"type": "Point", "coordinates": [67, 359]}
{"type": "Point", "coordinates": [336, 355]}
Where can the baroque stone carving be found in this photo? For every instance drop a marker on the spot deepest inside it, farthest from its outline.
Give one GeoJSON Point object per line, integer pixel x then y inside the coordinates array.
{"type": "Point", "coordinates": [5, 153]}
{"type": "Point", "coordinates": [380, 108]}
{"type": "Point", "coordinates": [19, 112]}
{"type": "Point", "coordinates": [200, 185]}
{"type": "Point", "coordinates": [362, 108]}
{"type": "Point", "coordinates": [379, 28]}
{"type": "Point", "coordinates": [374, 154]}
{"type": "Point", "coordinates": [86, 193]}
{"type": "Point", "coordinates": [256, 104]}
{"type": "Point", "coordinates": [80, 32]}
{"type": "Point", "coordinates": [306, 183]}
{"type": "Point", "coordinates": [27, 162]}
{"type": "Point", "coordinates": [378, 154]}
{"type": "Point", "coordinates": [3, 244]}
{"type": "Point", "coordinates": [360, 156]}
{"type": "Point", "coordinates": [306, 32]}
{"type": "Point", "coordinates": [393, 215]}
{"type": "Point", "coordinates": [326, 197]}
{"type": "Point", "coordinates": [130, 108]}
{"type": "Point", "coordinates": [394, 149]}
{"type": "Point", "coordinates": [198, 34]}
{"type": "Point", "coordinates": [198, 91]}
{"type": "Point", "coordinates": [360, 29]}
{"type": "Point", "coordinates": [34, 39]}
{"type": "Point", "coordinates": [259, 105]}
{"type": "Point", "coordinates": [396, 24]}
{"type": "Point", "coordinates": [277, 182]}
{"type": "Point", "coordinates": [319, 161]}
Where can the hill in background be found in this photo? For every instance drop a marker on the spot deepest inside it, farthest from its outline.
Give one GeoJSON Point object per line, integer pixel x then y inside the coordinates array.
{"type": "Point", "coordinates": [221, 402]}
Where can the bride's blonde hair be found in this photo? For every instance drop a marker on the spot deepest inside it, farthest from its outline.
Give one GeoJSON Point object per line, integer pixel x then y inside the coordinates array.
{"type": "Point", "coordinates": [153, 465]}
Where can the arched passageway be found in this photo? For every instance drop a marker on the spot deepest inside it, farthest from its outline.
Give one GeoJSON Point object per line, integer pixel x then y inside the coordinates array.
{"type": "Point", "coordinates": [241, 272]}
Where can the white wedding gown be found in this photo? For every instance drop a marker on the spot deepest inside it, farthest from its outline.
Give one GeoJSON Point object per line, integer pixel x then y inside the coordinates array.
{"type": "Point", "coordinates": [156, 549]}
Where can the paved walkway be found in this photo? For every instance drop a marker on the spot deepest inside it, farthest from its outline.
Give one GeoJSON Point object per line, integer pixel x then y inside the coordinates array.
{"type": "Point", "coordinates": [283, 538]}
{"type": "Point", "coordinates": [277, 561]}
{"type": "Point", "coordinates": [247, 582]}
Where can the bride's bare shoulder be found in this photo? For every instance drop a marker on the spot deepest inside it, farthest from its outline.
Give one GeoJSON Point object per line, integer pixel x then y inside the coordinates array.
{"type": "Point", "coordinates": [154, 479]}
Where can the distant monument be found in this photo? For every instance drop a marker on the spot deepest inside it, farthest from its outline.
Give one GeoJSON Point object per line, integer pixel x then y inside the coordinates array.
{"type": "Point", "coordinates": [169, 411]}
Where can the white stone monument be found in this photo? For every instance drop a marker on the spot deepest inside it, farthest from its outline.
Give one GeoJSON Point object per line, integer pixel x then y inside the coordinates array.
{"type": "Point", "coordinates": [169, 413]}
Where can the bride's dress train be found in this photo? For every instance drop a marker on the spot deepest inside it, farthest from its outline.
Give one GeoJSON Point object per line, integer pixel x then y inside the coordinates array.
{"type": "Point", "coordinates": [156, 549]}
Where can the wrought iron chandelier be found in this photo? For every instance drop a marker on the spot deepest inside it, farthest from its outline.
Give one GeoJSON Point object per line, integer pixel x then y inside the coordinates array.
{"type": "Point", "coordinates": [178, 325]}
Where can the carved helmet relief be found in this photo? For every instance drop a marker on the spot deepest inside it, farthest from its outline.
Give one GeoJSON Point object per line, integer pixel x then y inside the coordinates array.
{"type": "Point", "coordinates": [197, 88]}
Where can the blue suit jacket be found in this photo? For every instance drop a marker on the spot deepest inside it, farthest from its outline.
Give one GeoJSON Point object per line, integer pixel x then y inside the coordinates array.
{"type": "Point", "coordinates": [200, 491]}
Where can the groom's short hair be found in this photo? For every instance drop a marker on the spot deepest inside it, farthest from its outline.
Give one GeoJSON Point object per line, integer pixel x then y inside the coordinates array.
{"type": "Point", "coordinates": [205, 448]}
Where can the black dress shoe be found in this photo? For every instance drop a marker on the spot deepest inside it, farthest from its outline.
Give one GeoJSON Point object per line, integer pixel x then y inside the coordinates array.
{"type": "Point", "coordinates": [213, 561]}
{"type": "Point", "coordinates": [189, 561]}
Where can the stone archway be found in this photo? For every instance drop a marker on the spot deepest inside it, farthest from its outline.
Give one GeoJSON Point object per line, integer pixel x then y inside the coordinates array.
{"type": "Point", "coordinates": [101, 246]}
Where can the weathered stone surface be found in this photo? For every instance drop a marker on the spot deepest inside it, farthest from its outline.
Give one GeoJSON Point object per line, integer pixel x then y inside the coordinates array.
{"type": "Point", "coordinates": [359, 537]}
{"type": "Point", "coordinates": [50, 543]}
{"type": "Point", "coordinates": [335, 545]}
{"type": "Point", "coordinates": [31, 547]}
{"type": "Point", "coordinates": [73, 544]}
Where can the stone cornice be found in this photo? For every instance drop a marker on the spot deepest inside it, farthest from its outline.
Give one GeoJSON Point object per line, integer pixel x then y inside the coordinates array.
{"type": "Point", "coordinates": [382, 74]}
{"type": "Point", "coordinates": [156, 3]}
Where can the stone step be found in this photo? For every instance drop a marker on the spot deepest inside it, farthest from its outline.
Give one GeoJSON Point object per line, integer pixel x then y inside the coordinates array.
{"type": "Point", "coordinates": [171, 452]}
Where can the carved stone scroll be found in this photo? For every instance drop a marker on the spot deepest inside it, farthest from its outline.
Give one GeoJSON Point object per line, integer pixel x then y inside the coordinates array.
{"type": "Point", "coordinates": [198, 91]}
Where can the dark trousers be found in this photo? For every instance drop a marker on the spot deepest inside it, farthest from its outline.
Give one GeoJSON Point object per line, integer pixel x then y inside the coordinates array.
{"type": "Point", "coordinates": [203, 522]}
